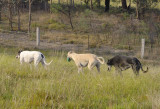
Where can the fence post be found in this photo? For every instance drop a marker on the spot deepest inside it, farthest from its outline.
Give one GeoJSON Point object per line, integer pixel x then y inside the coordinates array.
{"type": "Point", "coordinates": [38, 36]}
{"type": "Point", "coordinates": [142, 48]}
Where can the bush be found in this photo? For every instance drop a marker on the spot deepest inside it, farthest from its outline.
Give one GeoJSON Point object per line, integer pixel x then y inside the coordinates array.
{"type": "Point", "coordinates": [35, 24]}
{"type": "Point", "coordinates": [50, 21]}
{"type": "Point", "coordinates": [56, 26]}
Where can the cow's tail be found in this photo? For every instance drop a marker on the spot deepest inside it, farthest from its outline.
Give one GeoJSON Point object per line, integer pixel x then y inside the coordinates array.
{"type": "Point", "coordinates": [139, 63]}
{"type": "Point", "coordinates": [45, 61]}
{"type": "Point", "coordinates": [101, 60]}
{"type": "Point", "coordinates": [144, 71]}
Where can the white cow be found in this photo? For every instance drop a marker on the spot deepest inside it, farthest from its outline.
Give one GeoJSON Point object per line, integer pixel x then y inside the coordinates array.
{"type": "Point", "coordinates": [30, 56]}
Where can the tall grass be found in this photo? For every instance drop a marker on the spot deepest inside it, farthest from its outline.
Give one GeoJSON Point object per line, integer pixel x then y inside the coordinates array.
{"type": "Point", "coordinates": [60, 86]}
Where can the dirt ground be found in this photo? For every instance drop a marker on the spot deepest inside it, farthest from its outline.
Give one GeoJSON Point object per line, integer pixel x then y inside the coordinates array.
{"type": "Point", "coordinates": [23, 41]}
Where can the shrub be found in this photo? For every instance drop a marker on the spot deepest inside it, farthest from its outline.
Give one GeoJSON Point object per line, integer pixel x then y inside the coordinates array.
{"type": "Point", "coordinates": [56, 26]}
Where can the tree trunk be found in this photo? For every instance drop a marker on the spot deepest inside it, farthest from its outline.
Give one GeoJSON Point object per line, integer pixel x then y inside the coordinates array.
{"type": "Point", "coordinates": [67, 2]}
{"type": "Point", "coordinates": [10, 15]}
{"type": "Point", "coordinates": [70, 2]}
{"type": "Point", "coordinates": [29, 21]}
{"type": "Point", "coordinates": [73, 3]}
{"type": "Point", "coordinates": [137, 9]}
{"type": "Point", "coordinates": [140, 9]}
{"type": "Point", "coordinates": [70, 19]}
{"type": "Point", "coordinates": [0, 12]}
{"type": "Point", "coordinates": [107, 4]}
{"type": "Point", "coordinates": [51, 2]}
{"type": "Point", "coordinates": [51, 7]}
{"type": "Point", "coordinates": [19, 17]}
{"type": "Point", "coordinates": [45, 6]}
{"type": "Point", "coordinates": [58, 1]}
{"type": "Point", "coordinates": [81, 2]}
{"type": "Point", "coordinates": [124, 4]}
{"type": "Point", "coordinates": [91, 5]}
{"type": "Point", "coordinates": [129, 6]}
{"type": "Point", "coordinates": [142, 5]}
{"type": "Point", "coordinates": [99, 3]}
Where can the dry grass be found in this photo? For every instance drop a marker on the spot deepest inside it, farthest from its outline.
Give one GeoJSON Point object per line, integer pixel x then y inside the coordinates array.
{"type": "Point", "coordinates": [117, 26]}
{"type": "Point", "coordinates": [60, 86]}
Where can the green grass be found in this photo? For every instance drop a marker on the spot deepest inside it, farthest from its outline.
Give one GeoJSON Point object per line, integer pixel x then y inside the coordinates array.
{"type": "Point", "coordinates": [60, 86]}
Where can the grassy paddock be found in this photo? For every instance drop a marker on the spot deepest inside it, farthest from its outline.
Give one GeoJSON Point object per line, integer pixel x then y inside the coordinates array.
{"type": "Point", "coordinates": [60, 86]}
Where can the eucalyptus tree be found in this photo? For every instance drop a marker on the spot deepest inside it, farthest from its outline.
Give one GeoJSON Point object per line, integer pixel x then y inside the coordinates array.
{"type": "Point", "coordinates": [18, 6]}
{"type": "Point", "coordinates": [91, 4]}
{"type": "Point", "coordinates": [10, 4]}
{"type": "Point", "coordinates": [143, 5]}
{"type": "Point", "coordinates": [2, 3]}
{"type": "Point", "coordinates": [30, 15]}
{"type": "Point", "coordinates": [124, 4]}
{"type": "Point", "coordinates": [98, 3]}
{"type": "Point", "coordinates": [107, 4]}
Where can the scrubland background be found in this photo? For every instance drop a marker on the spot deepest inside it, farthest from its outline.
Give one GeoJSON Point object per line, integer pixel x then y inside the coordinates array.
{"type": "Point", "coordinates": [60, 86]}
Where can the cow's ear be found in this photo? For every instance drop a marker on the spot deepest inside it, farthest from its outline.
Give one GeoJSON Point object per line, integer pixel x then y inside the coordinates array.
{"type": "Point", "coordinates": [19, 51]}
{"type": "Point", "coordinates": [70, 52]}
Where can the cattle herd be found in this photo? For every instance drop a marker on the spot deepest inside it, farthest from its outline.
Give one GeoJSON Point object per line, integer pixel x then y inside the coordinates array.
{"type": "Point", "coordinates": [86, 60]}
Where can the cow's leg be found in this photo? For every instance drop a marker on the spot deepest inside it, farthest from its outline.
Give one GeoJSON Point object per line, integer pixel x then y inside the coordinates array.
{"type": "Point", "coordinates": [98, 67]}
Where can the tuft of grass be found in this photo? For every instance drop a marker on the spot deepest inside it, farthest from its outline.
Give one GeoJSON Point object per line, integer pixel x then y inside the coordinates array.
{"type": "Point", "coordinates": [123, 47]}
{"type": "Point", "coordinates": [51, 21]}
{"type": "Point", "coordinates": [56, 26]}
{"type": "Point", "coordinates": [35, 24]}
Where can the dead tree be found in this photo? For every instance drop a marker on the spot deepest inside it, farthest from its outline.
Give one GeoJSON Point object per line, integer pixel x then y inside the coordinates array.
{"type": "Point", "coordinates": [129, 6]}
{"type": "Point", "coordinates": [1, 4]}
{"type": "Point", "coordinates": [98, 3]}
{"type": "Point", "coordinates": [66, 12]}
{"type": "Point", "coordinates": [70, 18]}
{"type": "Point", "coordinates": [50, 5]}
{"type": "Point", "coordinates": [10, 14]}
{"type": "Point", "coordinates": [86, 2]}
{"type": "Point", "coordinates": [3, 7]}
{"type": "Point", "coordinates": [137, 9]}
{"type": "Point", "coordinates": [73, 3]}
{"type": "Point", "coordinates": [91, 5]}
{"type": "Point", "coordinates": [70, 2]}
{"type": "Point", "coordinates": [18, 4]}
{"type": "Point", "coordinates": [140, 8]}
{"type": "Point", "coordinates": [153, 31]}
{"type": "Point", "coordinates": [30, 15]}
